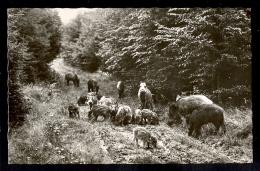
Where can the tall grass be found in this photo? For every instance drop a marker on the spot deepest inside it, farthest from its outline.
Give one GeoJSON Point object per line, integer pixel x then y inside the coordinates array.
{"type": "Point", "coordinates": [48, 135]}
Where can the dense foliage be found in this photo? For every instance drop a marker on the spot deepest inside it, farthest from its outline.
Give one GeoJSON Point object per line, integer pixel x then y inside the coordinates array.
{"type": "Point", "coordinates": [33, 41]}
{"type": "Point", "coordinates": [192, 50]}
{"type": "Point", "coordinates": [39, 30]}
{"type": "Point", "coordinates": [79, 42]}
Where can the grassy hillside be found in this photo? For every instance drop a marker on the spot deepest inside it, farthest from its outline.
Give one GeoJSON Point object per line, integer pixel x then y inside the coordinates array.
{"type": "Point", "coordinates": [50, 136]}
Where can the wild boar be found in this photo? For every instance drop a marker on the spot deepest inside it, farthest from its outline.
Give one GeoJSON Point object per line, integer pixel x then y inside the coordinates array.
{"type": "Point", "coordinates": [113, 111]}
{"type": "Point", "coordinates": [106, 101]}
{"type": "Point", "coordinates": [185, 106]}
{"type": "Point", "coordinates": [145, 96]}
{"type": "Point", "coordinates": [99, 110]}
{"type": "Point", "coordinates": [123, 116]}
{"type": "Point", "coordinates": [150, 116]}
{"type": "Point", "coordinates": [92, 100]}
{"type": "Point", "coordinates": [120, 88]}
{"type": "Point", "coordinates": [86, 96]}
{"type": "Point", "coordinates": [93, 86]}
{"type": "Point", "coordinates": [72, 77]}
{"type": "Point", "coordinates": [207, 113]}
{"type": "Point", "coordinates": [141, 133]}
{"type": "Point", "coordinates": [136, 119]}
{"type": "Point", "coordinates": [73, 111]}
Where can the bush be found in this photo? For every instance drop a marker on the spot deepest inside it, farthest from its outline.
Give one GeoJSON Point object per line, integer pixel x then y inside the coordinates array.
{"type": "Point", "coordinates": [239, 95]}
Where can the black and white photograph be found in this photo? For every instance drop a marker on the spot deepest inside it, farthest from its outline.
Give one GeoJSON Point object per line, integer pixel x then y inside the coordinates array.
{"type": "Point", "coordinates": [129, 86]}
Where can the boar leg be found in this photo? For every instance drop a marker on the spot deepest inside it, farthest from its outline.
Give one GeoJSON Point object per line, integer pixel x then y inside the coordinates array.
{"type": "Point", "coordinates": [191, 129]}
{"type": "Point", "coordinates": [217, 125]}
{"type": "Point", "coordinates": [78, 115]}
{"type": "Point", "coordinates": [143, 144]}
{"type": "Point", "coordinates": [89, 115]}
{"type": "Point", "coordinates": [223, 127]}
{"type": "Point", "coordinates": [197, 131]}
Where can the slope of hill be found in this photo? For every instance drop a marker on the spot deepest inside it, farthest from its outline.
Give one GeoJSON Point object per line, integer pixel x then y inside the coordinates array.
{"type": "Point", "coordinates": [50, 136]}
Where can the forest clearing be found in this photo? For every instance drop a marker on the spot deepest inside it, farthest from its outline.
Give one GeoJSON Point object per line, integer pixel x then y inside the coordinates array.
{"type": "Point", "coordinates": [162, 56]}
{"type": "Point", "coordinates": [82, 142]}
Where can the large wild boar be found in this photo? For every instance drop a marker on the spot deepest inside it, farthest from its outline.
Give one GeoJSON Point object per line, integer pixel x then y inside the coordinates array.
{"type": "Point", "coordinates": [72, 77]}
{"type": "Point", "coordinates": [99, 110]}
{"type": "Point", "coordinates": [141, 133]}
{"type": "Point", "coordinates": [145, 96]}
{"type": "Point", "coordinates": [73, 111]}
{"type": "Point", "coordinates": [120, 88]}
{"type": "Point", "coordinates": [123, 116]}
{"type": "Point", "coordinates": [150, 116]}
{"type": "Point", "coordinates": [185, 106]}
{"type": "Point", "coordinates": [207, 113]}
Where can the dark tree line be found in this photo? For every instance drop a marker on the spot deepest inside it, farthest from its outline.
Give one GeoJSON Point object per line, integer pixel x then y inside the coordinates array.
{"type": "Point", "coordinates": [192, 50]}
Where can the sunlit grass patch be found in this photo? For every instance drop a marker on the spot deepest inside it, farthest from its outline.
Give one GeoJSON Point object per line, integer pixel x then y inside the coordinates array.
{"type": "Point", "coordinates": [83, 146]}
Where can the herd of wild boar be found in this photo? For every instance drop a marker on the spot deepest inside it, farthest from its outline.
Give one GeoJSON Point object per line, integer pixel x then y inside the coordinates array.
{"type": "Point", "coordinates": [196, 109]}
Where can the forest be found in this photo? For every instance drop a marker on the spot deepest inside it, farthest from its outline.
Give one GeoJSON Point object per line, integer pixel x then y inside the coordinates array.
{"type": "Point", "coordinates": [178, 51]}
{"type": "Point", "coordinates": [203, 51]}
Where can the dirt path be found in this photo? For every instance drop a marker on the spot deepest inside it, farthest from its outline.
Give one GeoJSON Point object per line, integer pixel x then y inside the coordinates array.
{"type": "Point", "coordinates": [174, 146]}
